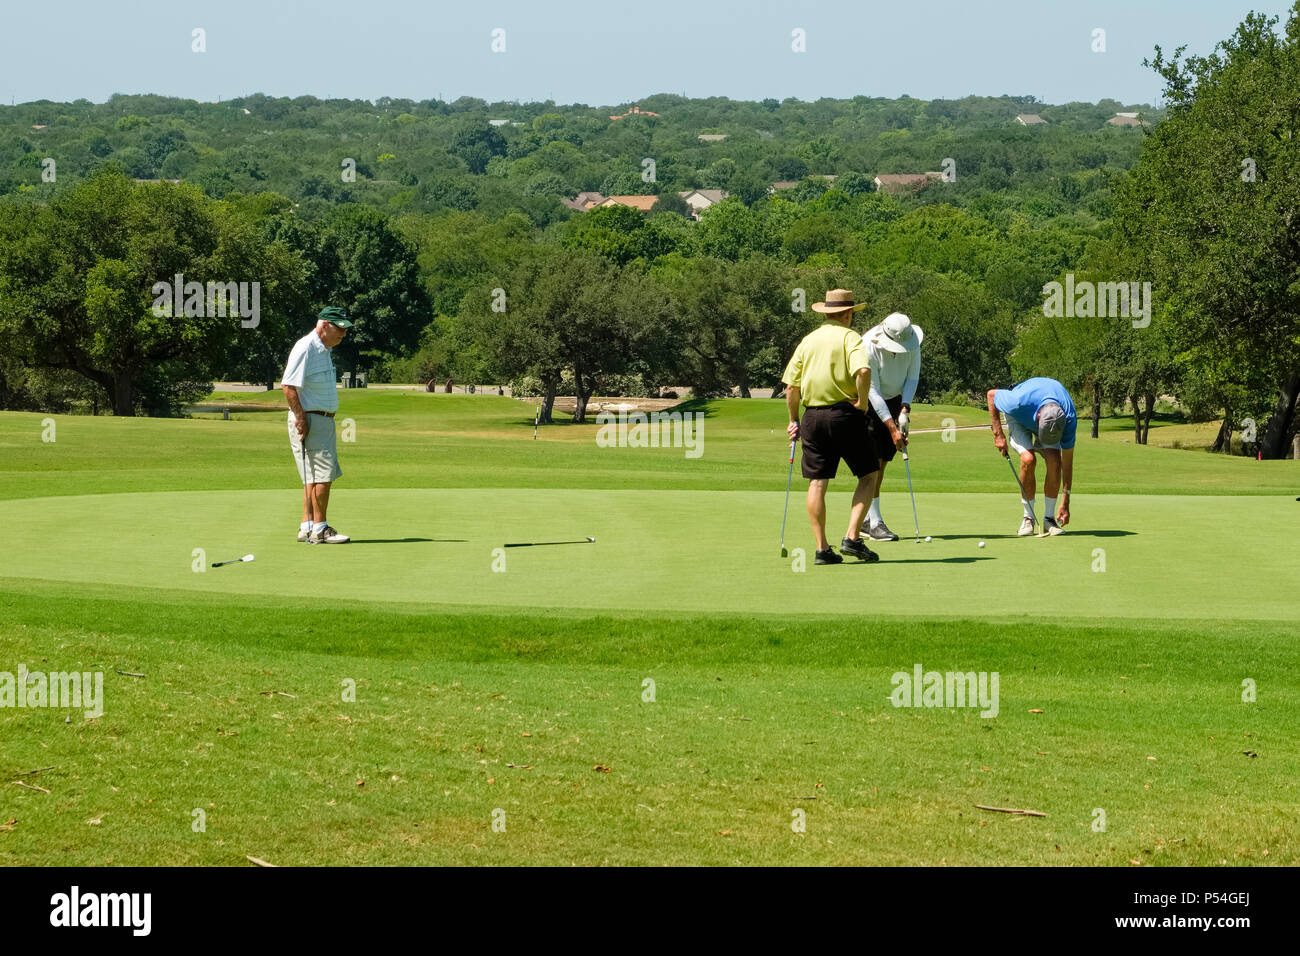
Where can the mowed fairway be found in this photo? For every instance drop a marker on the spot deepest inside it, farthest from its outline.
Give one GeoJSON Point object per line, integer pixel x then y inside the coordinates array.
{"type": "Point", "coordinates": [673, 693]}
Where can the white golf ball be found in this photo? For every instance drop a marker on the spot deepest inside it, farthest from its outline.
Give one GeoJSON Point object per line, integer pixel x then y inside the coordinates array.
{"type": "Point", "coordinates": [981, 544]}
{"type": "Point", "coordinates": [927, 539]}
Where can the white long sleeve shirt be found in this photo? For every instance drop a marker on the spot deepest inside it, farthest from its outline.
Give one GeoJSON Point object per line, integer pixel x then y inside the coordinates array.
{"type": "Point", "coordinates": [892, 374]}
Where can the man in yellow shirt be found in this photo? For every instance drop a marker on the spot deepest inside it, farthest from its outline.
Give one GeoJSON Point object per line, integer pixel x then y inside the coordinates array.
{"type": "Point", "coordinates": [829, 376]}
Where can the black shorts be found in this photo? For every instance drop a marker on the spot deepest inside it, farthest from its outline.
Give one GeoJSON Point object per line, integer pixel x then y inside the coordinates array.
{"type": "Point", "coordinates": [832, 432]}
{"type": "Point", "coordinates": [881, 442]}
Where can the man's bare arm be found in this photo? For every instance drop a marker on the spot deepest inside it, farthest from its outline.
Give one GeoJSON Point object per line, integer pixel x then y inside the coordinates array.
{"type": "Point", "coordinates": [792, 397]}
{"type": "Point", "coordinates": [999, 439]}
{"type": "Point", "coordinates": [299, 416]}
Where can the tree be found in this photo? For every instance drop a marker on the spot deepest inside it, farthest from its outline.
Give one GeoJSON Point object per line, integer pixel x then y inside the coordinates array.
{"type": "Point", "coordinates": [1211, 212]}
{"type": "Point", "coordinates": [361, 264]}
{"type": "Point", "coordinates": [77, 287]}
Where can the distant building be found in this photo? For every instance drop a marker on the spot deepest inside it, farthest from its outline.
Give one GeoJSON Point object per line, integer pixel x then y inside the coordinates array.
{"type": "Point", "coordinates": [40, 127]}
{"type": "Point", "coordinates": [711, 137]}
{"type": "Point", "coordinates": [1030, 119]}
{"type": "Point", "coordinates": [498, 122]}
{"type": "Point", "coordinates": [644, 203]}
{"type": "Point", "coordinates": [701, 199]}
{"type": "Point", "coordinates": [782, 185]}
{"type": "Point", "coordinates": [173, 181]}
{"type": "Point", "coordinates": [1126, 119]}
{"type": "Point", "coordinates": [634, 111]}
{"type": "Point", "coordinates": [584, 201]}
{"type": "Point", "coordinates": [905, 182]}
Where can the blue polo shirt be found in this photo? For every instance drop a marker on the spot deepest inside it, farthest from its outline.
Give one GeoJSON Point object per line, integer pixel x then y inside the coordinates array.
{"type": "Point", "coordinates": [1021, 404]}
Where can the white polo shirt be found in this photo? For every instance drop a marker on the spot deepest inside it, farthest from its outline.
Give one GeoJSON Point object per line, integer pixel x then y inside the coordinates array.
{"type": "Point", "coordinates": [310, 370]}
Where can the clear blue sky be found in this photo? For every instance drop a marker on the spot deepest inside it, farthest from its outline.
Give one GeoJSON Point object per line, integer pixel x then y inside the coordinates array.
{"type": "Point", "coordinates": [600, 52]}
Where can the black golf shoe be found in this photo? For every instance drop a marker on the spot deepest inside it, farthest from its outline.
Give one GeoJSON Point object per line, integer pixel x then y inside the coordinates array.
{"type": "Point", "coordinates": [855, 548]}
{"type": "Point", "coordinates": [827, 557]}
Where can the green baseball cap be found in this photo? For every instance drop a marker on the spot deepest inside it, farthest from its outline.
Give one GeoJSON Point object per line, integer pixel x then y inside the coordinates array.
{"type": "Point", "coordinates": [335, 316]}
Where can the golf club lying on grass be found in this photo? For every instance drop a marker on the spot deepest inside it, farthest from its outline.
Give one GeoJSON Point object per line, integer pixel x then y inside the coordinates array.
{"type": "Point", "coordinates": [247, 557]}
{"type": "Point", "coordinates": [538, 544]}
{"type": "Point", "coordinates": [788, 479]}
{"type": "Point", "coordinates": [916, 524]}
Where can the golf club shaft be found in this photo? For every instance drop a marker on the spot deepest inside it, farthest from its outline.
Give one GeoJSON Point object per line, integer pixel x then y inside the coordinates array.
{"type": "Point", "coordinates": [788, 479]}
{"type": "Point", "coordinates": [1020, 485]}
{"type": "Point", "coordinates": [538, 544]}
{"type": "Point", "coordinates": [915, 523]}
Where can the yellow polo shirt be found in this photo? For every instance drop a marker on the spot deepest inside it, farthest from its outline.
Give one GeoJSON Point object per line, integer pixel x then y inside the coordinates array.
{"type": "Point", "coordinates": [824, 363]}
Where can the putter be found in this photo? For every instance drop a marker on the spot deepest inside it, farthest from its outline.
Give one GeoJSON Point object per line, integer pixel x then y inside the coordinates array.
{"type": "Point", "coordinates": [538, 544]}
{"type": "Point", "coordinates": [218, 564]}
{"type": "Point", "coordinates": [1032, 515]}
{"type": "Point", "coordinates": [788, 478]}
{"type": "Point", "coordinates": [916, 524]}
{"type": "Point", "coordinates": [536, 418]}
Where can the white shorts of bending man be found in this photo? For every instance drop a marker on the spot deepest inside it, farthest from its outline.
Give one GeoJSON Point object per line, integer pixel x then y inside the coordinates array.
{"type": "Point", "coordinates": [894, 353]}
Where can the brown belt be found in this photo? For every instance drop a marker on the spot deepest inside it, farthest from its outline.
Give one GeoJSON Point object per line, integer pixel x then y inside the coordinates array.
{"type": "Point", "coordinates": [312, 411]}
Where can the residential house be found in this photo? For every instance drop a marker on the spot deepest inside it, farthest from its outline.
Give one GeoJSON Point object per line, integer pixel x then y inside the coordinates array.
{"type": "Point", "coordinates": [903, 182]}
{"type": "Point", "coordinates": [1030, 119]}
{"type": "Point", "coordinates": [1126, 119]}
{"type": "Point", "coordinates": [634, 111]}
{"type": "Point", "coordinates": [701, 199]}
{"type": "Point", "coordinates": [584, 201]}
{"type": "Point", "coordinates": [711, 137]}
{"type": "Point", "coordinates": [644, 203]}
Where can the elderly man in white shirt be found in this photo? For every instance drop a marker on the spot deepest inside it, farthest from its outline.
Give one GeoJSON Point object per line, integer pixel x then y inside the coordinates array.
{"type": "Point", "coordinates": [894, 355]}
{"type": "Point", "coordinates": [311, 392]}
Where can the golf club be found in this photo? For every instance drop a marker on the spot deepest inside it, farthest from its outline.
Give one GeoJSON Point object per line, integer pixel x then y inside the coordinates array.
{"type": "Point", "coordinates": [536, 418]}
{"type": "Point", "coordinates": [1032, 516]}
{"type": "Point", "coordinates": [538, 544]}
{"type": "Point", "coordinates": [247, 557]}
{"type": "Point", "coordinates": [786, 511]}
{"type": "Point", "coordinates": [916, 524]}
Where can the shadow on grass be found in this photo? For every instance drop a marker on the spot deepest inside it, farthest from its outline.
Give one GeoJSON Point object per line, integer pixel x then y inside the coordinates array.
{"type": "Point", "coordinates": [407, 540]}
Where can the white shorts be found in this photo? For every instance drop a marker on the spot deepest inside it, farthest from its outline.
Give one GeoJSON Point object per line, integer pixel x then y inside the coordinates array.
{"type": "Point", "coordinates": [319, 463]}
{"type": "Point", "coordinates": [1021, 438]}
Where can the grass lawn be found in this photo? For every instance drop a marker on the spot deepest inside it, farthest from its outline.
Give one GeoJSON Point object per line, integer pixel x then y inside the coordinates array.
{"type": "Point", "coordinates": [673, 693]}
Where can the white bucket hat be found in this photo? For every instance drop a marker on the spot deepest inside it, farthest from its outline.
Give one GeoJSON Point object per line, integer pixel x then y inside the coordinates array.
{"type": "Point", "coordinates": [897, 334]}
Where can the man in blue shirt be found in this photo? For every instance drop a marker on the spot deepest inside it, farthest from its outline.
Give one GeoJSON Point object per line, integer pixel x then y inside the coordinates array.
{"type": "Point", "coordinates": [1042, 420]}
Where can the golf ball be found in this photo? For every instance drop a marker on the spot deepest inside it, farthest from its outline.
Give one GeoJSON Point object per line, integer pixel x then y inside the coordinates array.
{"type": "Point", "coordinates": [981, 544]}
{"type": "Point", "coordinates": [927, 539]}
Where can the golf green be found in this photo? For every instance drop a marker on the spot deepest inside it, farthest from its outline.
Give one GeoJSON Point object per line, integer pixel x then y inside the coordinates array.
{"type": "Point", "coordinates": [1139, 556]}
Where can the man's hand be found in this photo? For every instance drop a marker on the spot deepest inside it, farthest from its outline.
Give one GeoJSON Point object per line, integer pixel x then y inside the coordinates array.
{"type": "Point", "coordinates": [792, 430]}
{"type": "Point", "coordinates": [1000, 442]}
{"type": "Point", "coordinates": [300, 425]}
{"type": "Point", "coordinates": [904, 423]}
{"type": "Point", "coordinates": [896, 435]}
{"type": "Point", "coordinates": [1063, 510]}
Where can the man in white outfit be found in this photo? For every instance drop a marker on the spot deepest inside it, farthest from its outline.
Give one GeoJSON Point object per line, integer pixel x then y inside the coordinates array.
{"type": "Point", "coordinates": [894, 355]}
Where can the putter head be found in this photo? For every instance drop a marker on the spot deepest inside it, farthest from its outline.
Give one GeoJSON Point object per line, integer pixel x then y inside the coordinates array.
{"type": "Point", "coordinates": [784, 552]}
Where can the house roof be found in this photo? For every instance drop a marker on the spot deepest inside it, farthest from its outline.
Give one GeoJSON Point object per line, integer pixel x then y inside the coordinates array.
{"type": "Point", "coordinates": [712, 137]}
{"type": "Point", "coordinates": [784, 185]}
{"type": "Point", "coordinates": [897, 182]}
{"type": "Point", "coordinates": [584, 201]}
{"type": "Point", "coordinates": [634, 110]}
{"type": "Point", "coordinates": [1030, 119]}
{"type": "Point", "coordinates": [644, 203]}
{"type": "Point", "coordinates": [712, 195]}
{"type": "Point", "coordinates": [1126, 119]}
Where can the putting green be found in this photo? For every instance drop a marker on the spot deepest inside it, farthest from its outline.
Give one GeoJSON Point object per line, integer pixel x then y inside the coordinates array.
{"type": "Point", "coordinates": [681, 551]}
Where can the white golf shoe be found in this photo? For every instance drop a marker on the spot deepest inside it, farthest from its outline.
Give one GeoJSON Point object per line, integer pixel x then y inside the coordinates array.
{"type": "Point", "coordinates": [1026, 527]}
{"type": "Point", "coordinates": [328, 535]}
{"type": "Point", "coordinates": [1051, 527]}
